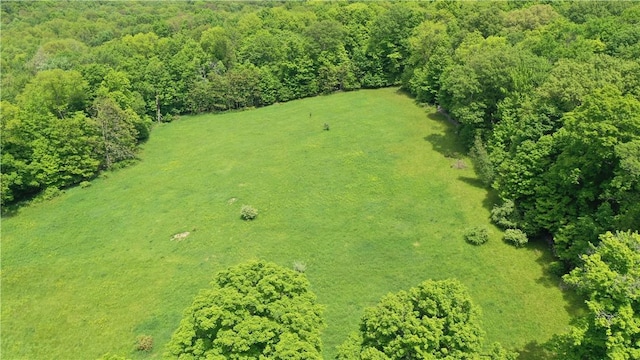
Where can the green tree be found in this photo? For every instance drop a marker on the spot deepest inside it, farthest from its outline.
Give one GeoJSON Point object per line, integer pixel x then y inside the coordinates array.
{"type": "Point", "coordinates": [65, 153]}
{"type": "Point", "coordinates": [117, 130]}
{"type": "Point", "coordinates": [253, 310]}
{"type": "Point", "coordinates": [58, 92]}
{"type": "Point", "coordinates": [435, 320]}
{"type": "Point", "coordinates": [609, 278]}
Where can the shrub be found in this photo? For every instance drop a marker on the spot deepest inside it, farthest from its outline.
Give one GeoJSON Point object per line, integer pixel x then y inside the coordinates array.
{"type": "Point", "coordinates": [477, 235]}
{"type": "Point", "coordinates": [515, 237]}
{"type": "Point", "coordinates": [48, 194]}
{"type": "Point", "coordinates": [248, 212]}
{"type": "Point", "coordinates": [503, 215]}
{"type": "Point", "coordinates": [144, 343]}
{"type": "Point", "coordinates": [85, 184]}
{"type": "Point", "coordinates": [299, 266]}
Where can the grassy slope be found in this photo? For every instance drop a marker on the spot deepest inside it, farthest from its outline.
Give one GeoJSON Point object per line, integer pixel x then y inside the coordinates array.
{"type": "Point", "coordinates": [371, 206]}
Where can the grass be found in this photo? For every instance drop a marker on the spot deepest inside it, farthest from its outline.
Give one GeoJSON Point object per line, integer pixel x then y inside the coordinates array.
{"type": "Point", "coordinates": [369, 207]}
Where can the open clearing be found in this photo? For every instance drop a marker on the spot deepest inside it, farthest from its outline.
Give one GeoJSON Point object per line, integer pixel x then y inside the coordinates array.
{"type": "Point", "coordinates": [371, 206]}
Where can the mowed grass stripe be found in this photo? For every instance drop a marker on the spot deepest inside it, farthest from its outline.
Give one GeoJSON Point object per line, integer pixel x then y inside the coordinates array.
{"type": "Point", "coordinates": [371, 206]}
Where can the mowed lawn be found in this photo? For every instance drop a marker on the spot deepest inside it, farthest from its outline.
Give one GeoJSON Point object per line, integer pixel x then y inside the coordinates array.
{"type": "Point", "coordinates": [371, 206]}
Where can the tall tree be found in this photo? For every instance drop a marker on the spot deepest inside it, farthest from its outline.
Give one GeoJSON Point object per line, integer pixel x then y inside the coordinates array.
{"type": "Point", "coordinates": [117, 130]}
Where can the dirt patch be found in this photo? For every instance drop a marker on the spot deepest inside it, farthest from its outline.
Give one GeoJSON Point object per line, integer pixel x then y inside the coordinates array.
{"type": "Point", "coordinates": [180, 236]}
{"type": "Point", "coordinates": [232, 200]}
{"type": "Point", "coordinates": [459, 164]}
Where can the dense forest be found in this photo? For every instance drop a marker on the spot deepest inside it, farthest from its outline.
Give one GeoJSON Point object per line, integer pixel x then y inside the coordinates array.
{"type": "Point", "coordinates": [545, 95]}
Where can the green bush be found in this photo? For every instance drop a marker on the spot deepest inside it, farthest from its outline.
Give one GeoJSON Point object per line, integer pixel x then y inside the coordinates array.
{"type": "Point", "coordinates": [503, 215]}
{"type": "Point", "coordinates": [248, 212]}
{"type": "Point", "coordinates": [477, 235]}
{"type": "Point", "coordinates": [515, 237]}
{"type": "Point", "coordinates": [85, 184]}
{"type": "Point", "coordinates": [144, 343]}
{"type": "Point", "coordinates": [48, 194]}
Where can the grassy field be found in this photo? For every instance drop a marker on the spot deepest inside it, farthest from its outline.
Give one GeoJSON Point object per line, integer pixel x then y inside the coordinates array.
{"type": "Point", "coordinates": [371, 206]}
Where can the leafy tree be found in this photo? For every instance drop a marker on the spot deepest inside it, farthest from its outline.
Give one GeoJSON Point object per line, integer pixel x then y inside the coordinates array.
{"type": "Point", "coordinates": [65, 153]}
{"type": "Point", "coordinates": [587, 176]}
{"type": "Point", "coordinates": [435, 320]}
{"type": "Point", "coordinates": [58, 92]}
{"type": "Point", "coordinates": [117, 129]}
{"type": "Point", "coordinates": [609, 278]}
{"type": "Point", "coordinates": [16, 152]}
{"type": "Point", "coordinates": [389, 39]}
{"type": "Point", "coordinates": [215, 42]}
{"type": "Point", "coordinates": [253, 310]}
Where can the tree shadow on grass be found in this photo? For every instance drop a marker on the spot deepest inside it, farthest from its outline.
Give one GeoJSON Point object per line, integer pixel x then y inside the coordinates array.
{"type": "Point", "coordinates": [447, 143]}
{"type": "Point", "coordinates": [533, 351]}
{"type": "Point", "coordinates": [574, 302]}
{"type": "Point", "coordinates": [491, 198]}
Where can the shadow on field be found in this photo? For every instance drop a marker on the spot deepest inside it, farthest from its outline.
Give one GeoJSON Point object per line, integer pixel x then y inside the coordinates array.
{"type": "Point", "coordinates": [441, 143]}
{"type": "Point", "coordinates": [492, 196]}
{"type": "Point", "coordinates": [533, 351]}
{"type": "Point", "coordinates": [549, 278]}
{"type": "Point", "coordinates": [9, 211]}
{"type": "Point", "coordinates": [446, 144]}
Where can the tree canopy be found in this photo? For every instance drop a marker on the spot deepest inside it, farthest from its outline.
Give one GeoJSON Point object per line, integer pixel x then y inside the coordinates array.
{"type": "Point", "coordinates": [253, 310]}
{"type": "Point", "coordinates": [610, 279]}
{"type": "Point", "coordinates": [435, 320]}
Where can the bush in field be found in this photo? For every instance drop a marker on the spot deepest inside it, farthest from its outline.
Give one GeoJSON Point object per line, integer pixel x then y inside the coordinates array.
{"type": "Point", "coordinates": [515, 237]}
{"type": "Point", "coordinates": [477, 235]}
{"type": "Point", "coordinates": [248, 212]}
{"type": "Point", "coordinates": [144, 343]}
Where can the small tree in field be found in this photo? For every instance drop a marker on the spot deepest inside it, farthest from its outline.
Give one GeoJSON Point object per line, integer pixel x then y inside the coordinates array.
{"type": "Point", "coordinates": [256, 310]}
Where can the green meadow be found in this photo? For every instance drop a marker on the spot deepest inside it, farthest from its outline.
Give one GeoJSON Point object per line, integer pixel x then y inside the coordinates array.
{"type": "Point", "coordinates": [371, 206]}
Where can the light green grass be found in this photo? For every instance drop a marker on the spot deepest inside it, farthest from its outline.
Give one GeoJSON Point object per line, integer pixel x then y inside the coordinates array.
{"type": "Point", "coordinates": [371, 206]}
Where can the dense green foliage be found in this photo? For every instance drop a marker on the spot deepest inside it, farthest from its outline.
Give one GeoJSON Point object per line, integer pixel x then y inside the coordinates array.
{"type": "Point", "coordinates": [610, 279]}
{"type": "Point", "coordinates": [477, 235]}
{"type": "Point", "coordinates": [516, 237]}
{"type": "Point", "coordinates": [248, 212]}
{"type": "Point", "coordinates": [435, 320]}
{"type": "Point", "coordinates": [254, 310]}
